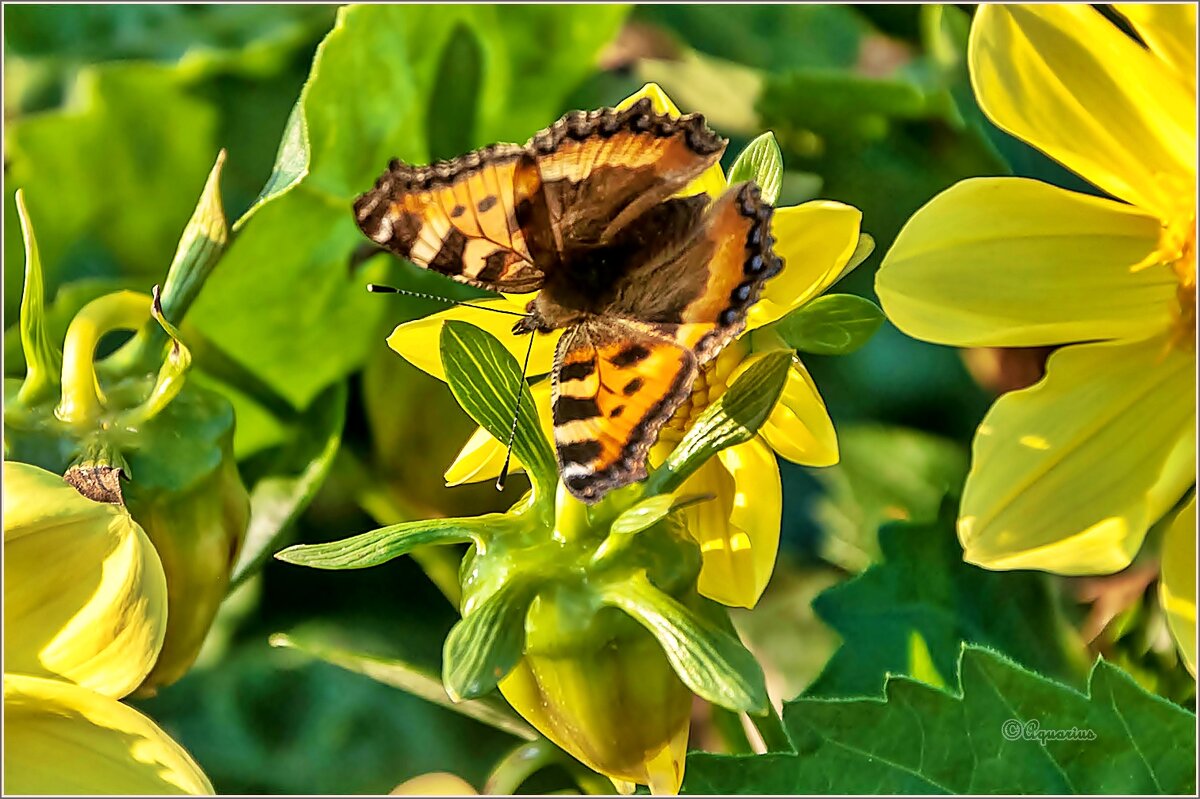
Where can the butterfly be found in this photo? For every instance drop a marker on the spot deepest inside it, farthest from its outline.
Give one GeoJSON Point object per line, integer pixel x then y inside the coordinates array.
{"type": "Point", "coordinates": [647, 285]}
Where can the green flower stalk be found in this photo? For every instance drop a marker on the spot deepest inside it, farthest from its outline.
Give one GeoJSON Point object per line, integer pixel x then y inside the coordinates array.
{"type": "Point", "coordinates": [132, 431]}
{"type": "Point", "coordinates": [586, 618]}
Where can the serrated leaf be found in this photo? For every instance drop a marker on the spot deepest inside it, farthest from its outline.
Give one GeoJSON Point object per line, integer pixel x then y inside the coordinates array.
{"type": "Point", "coordinates": [761, 162]}
{"type": "Point", "coordinates": [488, 642]}
{"type": "Point", "coordinates": [380, 546]}
{"type": "Point", "coordinates": [918, 607]}
{"type": "Point", "coordinates": [297, 471]}
{"type": "Point", "coordinates": [994, 734]}
{"type": "Point", "coordinates": [835, 324]}
{"type": "Point", "coordinates": [710, 661]}
{"type": "Point", "coordinates": [485, 379]}
{"type": "Point", "coordinates": [411, 679]}
{"type": "Point", "coordinates": [733, 419]}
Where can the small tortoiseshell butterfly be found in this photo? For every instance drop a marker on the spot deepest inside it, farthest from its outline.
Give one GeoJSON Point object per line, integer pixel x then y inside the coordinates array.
{"type": "Point", "coordinates": [648, 286]}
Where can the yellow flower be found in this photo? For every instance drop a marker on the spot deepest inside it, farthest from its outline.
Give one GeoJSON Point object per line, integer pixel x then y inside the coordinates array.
{"type": "Point", "coordinates": [738, 532]}
{"type": "Point", "coordinates": [85, 615]}
{"type": "Point", "coordinates": [1069, 475]}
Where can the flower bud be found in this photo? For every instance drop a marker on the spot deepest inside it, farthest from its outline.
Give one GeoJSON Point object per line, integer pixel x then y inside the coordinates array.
{"type": "Point", "coordinates": [85, 598]}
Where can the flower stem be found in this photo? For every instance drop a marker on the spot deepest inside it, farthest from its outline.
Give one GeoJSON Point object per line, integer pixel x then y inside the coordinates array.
{"type": "Point", "coordinates": [82, 399]}
{"type": "Point", "coordinates": [771, 728]}
{"type": "Point", "coordinates": [519, 765]}
{"type": "Point", "coordinates": [729, 725]}
{"type": "Point", "coordinates": [570, 516]}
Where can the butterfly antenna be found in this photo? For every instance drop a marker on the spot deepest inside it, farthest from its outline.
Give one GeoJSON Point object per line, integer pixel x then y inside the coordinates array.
{"type": "Point", "coordinates": [376, 288]}
{"type": "Point", "coordinates": [512, 434]}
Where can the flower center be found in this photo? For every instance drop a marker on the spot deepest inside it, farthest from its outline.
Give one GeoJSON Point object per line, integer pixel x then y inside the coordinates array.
{"type": "Point", "coordinates": [1179, 249]}
{"type": "Point", "coordinates": [711, 383]}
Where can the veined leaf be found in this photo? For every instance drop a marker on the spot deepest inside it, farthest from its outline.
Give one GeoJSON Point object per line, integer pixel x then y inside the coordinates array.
{"type": "Point", "coordinates": [486, 379]}
{"type": "Point", "coordinates": [488, 642]}
{"type": "Point", "coordinates": [380, 546]}
{"type": "Point", "coordinates": [710, 661]}
{"type": "Point", "coordinates": [733, 419]}
{"type": "Point", "coordinates": [1005, 730]}
{"type": "Point", "coordinates": [835, 324]}
{"type": "Point", "coordinates": [411, 679]}
{"type": "Point", "coordinates": [912, 613]}
{"type": "Point", "coordinates": [761, 162]}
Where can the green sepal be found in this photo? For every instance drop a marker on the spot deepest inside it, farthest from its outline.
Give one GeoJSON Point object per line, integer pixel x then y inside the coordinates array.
{"type": "Point", "coordinates": [709, 661]}
{"type": "Point", "coordinates": [487, 643]}
{"type": "Point", "coordinates": [836, 324]}
{"type": "Point", "coordinates": [380, 546]}
{"type": "Point", "coordinates": [42, 359]}
{"type": "Point", "coordinates": [733, 419]}
{"type": "Point", "coordinates": [649, 511]}
{"type": "Point", "coordinates": [485, 378]}
{"type": "Point", "coordinates": [200, 247]}
{"type": "Point", "coordinates": [761, 162]}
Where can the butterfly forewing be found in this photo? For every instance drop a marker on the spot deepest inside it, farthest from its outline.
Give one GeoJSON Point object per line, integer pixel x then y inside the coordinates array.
{"type": "Point", "coordinates": [464, 218]}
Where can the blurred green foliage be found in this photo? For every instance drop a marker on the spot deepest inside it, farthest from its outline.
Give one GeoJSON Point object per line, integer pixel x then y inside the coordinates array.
{"type": "Point", "coordinates": [113, 116]}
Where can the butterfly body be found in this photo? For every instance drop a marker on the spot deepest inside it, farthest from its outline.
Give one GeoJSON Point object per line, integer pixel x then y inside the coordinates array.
{"type": "Point", "coordinates": [648, 286]}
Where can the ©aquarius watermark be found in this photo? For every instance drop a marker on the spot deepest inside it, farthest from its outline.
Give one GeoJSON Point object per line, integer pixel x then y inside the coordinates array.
{"type": "Point", "coordinates": [1017, 730]}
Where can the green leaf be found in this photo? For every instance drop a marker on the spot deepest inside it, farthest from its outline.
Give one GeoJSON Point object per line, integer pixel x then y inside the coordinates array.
{"type": "Point", "coordinates": [733, 419]}
{"type": "Point", "coordinates": [380, 546]}
{"type": "Point", "coordinates": [838, 104]}
{"type": "Point", "coordinates": [291, 163]}
{"type": "Point", "coordinates": [982, 738]}
{"type": "Point", "coordinates": [412, 679]}
{"type": "Point", "coordinates": [368, 99]}
{"type": "Point", "coordinates": [835, 324]}
{"type": "Point", "coordinates": [488, 642]}
{"type": "Point", "coordinates": [297, 470]}
{"type": "Point", "coordinates": [710, 661]}
{"type": "Point", "coordinates": [770, 37]}
{"type": "Point", "coordinates": [912, 613]}
{"type": "Point", "coordinates": [883, 474]}
{"type": "Point", "coordinates": [761, 162]}
{"type": "Point", "coordinates": [485, 379]}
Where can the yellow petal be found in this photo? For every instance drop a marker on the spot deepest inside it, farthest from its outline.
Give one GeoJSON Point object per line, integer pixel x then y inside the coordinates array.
{"type": "Point", "coordinates": [1177, 586]}
{"type": "Point", "coordinates": [436, 783]}
{"type": "Point", "coordinates": [815, 240]}
{"type": "Point", "coordinates": [712, 181]}
{"type": "Point", "coordinates": [799, 428]}
{"type": "Point", "coordinates": [1067, 81]}
{"type": "Point", "coordinates": [736, 560]}
{"type": "Point", "coordinates": [61, 739]}
{"type": "Point", "coordinates": [737, 573]}
{"type": "Point", "coordinates": [483, 456]}
{"type": "Point", "coordinates": [85, 597]}
{"type": "Point", "coordinates": [1068, 475]}
{"type": "Point", "coordinates": [419, 340]}
{"type": "Point", "coordinates": [1016, 262]}
{"type": "Point", "coordinates": [1169, 29]}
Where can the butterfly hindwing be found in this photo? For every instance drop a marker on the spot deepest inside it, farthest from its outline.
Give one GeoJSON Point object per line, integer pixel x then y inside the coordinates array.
{"type": "Point", "coordinates": [615, 384]}
{"type": "Point", "coordinates": [479, 219]}
{"type": "Point", "coordinates": [697, 287]}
